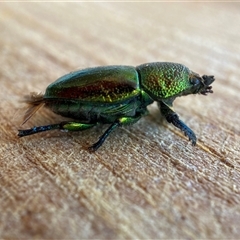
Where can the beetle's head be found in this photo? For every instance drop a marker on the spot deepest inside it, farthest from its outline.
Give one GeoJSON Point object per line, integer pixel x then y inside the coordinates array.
{"type": "Point", "coordinates": [199, 84]}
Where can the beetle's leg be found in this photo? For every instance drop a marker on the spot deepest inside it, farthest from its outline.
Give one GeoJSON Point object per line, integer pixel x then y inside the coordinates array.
{"type": "Point", "coordinates": [30, 131]}
{"type": "Point", "coordinates": [71, 126]}
{"type": "Point", "coordinates": [119, 122]}
{"type": "Point", "coordinates": [101, 140]}
{"type": "Point", "coordinates": [173, 118]}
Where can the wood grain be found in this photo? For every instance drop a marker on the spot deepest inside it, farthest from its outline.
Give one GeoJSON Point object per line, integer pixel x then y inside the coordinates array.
{"type": "Point", "coordinates": [146, 181]}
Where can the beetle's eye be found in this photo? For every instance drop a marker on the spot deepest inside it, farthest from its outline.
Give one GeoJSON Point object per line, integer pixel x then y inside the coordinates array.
{"type": "Point", "coordinates": [194, 81]}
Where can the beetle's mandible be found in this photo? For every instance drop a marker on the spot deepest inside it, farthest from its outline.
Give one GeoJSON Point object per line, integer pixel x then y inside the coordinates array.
{"type": "Point", "coordinates": [117, 95]}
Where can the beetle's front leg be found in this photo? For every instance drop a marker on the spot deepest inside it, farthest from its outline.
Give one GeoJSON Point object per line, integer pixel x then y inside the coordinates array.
{"type": "Point", "coordinates": [173, 118]}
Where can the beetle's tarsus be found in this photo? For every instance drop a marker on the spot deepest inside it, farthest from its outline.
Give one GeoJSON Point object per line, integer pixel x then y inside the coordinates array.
{"type": "Point", "coordinates": [22, 133]}
{"type": "Point", "coordinates": [94, 147]}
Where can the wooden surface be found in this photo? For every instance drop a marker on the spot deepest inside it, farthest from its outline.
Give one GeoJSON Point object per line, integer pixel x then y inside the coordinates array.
{"type": "Point", "coordinates": [146, 181]}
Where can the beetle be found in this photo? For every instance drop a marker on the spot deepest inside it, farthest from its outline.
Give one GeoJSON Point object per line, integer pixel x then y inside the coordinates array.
{"type": "Point", "coordinates": [117, 95]}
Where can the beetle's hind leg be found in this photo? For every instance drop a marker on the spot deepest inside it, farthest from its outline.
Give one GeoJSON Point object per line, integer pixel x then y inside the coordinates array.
{"type": "Point", "coordinates": [71, 126]}
{"type": "Point", "coordinates": [76, 126]}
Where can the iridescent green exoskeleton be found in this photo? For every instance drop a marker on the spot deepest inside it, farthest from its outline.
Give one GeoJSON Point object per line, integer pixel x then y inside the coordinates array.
{"type": "Point", "coordinates": [117, 95]}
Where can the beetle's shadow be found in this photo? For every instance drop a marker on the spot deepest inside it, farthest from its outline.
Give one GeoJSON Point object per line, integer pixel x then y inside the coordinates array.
{"type": "Point", "coordinates": [154, 114]}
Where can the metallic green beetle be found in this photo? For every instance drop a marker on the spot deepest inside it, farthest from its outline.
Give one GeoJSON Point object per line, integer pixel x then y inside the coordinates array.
{"type": "Point", "coordinates": [117, 95]}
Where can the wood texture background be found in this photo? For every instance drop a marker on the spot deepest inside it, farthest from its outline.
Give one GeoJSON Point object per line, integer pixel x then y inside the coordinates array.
{"type": "Point", "coordinates": [146, 181]}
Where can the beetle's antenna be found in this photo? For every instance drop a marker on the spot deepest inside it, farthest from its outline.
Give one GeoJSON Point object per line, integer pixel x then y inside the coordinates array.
{"type": "Point", "coordinates": [35, 102]}
{"type": "Point", "coordinates": [207, 80]}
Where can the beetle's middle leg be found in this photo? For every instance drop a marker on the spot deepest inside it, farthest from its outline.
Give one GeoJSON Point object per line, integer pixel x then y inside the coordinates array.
{"type": "Point", "coordinates": [119, 122]}
{"type": "Point", "coordinates": [173, 118]}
